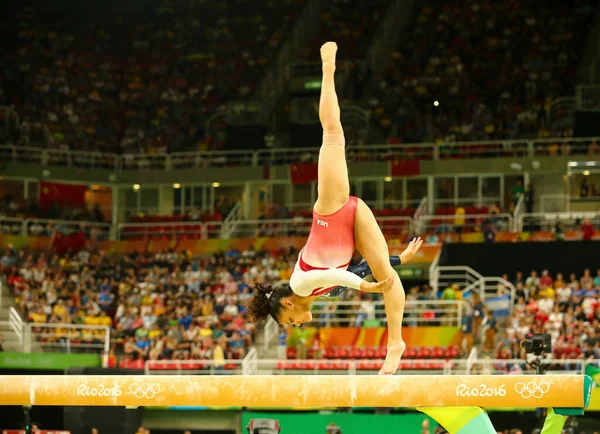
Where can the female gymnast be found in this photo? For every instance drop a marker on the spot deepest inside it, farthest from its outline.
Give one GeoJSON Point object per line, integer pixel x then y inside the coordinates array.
{"type": "Point", "coordinates": [341, 223]}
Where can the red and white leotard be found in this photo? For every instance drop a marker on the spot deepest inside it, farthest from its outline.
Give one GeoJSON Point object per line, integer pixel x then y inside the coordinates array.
{"type": "Point", "coordinates": [323, 261]}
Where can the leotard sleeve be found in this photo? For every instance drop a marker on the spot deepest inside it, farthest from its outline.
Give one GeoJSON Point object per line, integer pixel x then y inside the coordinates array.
{"type": "Point", "coordinates": [304, 283]}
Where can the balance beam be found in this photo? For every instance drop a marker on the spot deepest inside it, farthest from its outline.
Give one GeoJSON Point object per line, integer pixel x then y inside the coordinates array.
{"type": "Point", "coordinates": [308, 391]}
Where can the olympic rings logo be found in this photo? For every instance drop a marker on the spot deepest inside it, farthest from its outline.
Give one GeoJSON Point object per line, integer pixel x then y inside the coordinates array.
{"type": "Point", "coordinates": [532, 389]}
{"type": "Point", "coordinates": [144, 390]}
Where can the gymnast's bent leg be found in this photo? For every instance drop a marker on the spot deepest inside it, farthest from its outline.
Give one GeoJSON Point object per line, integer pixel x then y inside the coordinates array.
{"type": "Point", "coordinates": [373, 247]}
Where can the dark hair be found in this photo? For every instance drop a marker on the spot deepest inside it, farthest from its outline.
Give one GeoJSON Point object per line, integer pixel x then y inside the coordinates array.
{"type": "Point", "coordinates": [266, 300]}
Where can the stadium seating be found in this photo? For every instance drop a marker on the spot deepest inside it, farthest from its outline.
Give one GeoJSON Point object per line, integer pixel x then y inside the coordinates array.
{"type": "Point", "coordinates": [492, 67]}
{"type": "Point", "coordinates": [136, 82]}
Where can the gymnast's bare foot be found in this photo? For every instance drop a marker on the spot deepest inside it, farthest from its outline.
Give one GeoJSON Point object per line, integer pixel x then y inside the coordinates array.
{"type": "Point", "coordinates": [328, 51]}
{"type": "Point", "coordinates": [392, 359]}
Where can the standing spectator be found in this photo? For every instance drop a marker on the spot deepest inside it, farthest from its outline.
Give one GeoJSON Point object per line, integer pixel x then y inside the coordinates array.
{"type": "Point", "coordinates": [282, 344]}
{"type": "Point", "coordinates": [489, 331]}
{"type": "Point", "coordinates": [587, 229]}
{"type": "Point", "coordinates": [489, 235]}
{"type": "Point", "coordinates": [517, 191]}
{"type": "Point", "coordinates": [529, 198]}
{"type": "Point", "coordinates": [584, 188]}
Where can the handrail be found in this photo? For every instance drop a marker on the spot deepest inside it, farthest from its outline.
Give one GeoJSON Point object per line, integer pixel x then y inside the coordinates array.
{"type": "Point", "coordinates": [550, 218]}
{"type": "Point", "coordinates": [18, 327]}
{"type": "Point", "coordinates": [519, 207]}
{"type": "Point", "coordinates": [435, 366]}
{"type": "Point", "coordinates": [249, 364]}
{"type": "Point", "coordinates": [271, 331]}
{"type": "Point", "coordinates": [25, 223]}
{"type": "Point", "coordinates": [414, 312]}
{"type": "Point", "coordinates": [376, 152]}
{"type": "Point", "coordinates": [30, 334]}
{"type": "Point", "coordinates": [181, 366]}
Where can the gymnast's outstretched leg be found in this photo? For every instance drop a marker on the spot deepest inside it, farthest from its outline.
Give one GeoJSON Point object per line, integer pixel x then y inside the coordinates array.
{"type": "Point", "coordinates": [333, 185]}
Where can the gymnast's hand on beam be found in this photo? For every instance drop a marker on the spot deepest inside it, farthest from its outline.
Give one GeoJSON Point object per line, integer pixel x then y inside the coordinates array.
{"type": "Point", "coordinates": [411, 250]}
{"type": "Point", "coordinates": [383, 286]}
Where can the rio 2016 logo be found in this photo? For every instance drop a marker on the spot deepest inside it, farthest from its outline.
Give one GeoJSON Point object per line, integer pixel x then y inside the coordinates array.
{"type": "Point", "coordinates": [481, 390]}
{"type": "Point", "coordinates": [100, 390]}
{"type": "Point", "coordinates": [532, 389]}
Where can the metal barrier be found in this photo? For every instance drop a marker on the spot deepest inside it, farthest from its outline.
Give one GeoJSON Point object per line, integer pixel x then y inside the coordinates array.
{"type": "Point", "coordinates": [46, 227]}
{"type": "Point", "coordinates": [242, 228]}
{"type": "Point", "coordinates": [195, 367]}
{"type": "Point", "coordinates": [263, 157]}
{"type": "Point", "coordinates": [547, 221]}
{"type": "Point", "coordinates": [271, 331]}
{"type": "Point", "coordinates": [443, 276]}
{"type": "Point", "coordinates": [68, 338]}
{"type": "Point", "coordinates": [489, 287]}
{"type": "Point", "coordinates": [514, 366]}
{"type": "Point", "coordinates": [416, 313]}
{"type": "Point", "coordinates": [446, 223]}
{"type": "Point", "coordinates": [17, 326]}
{"type": "Point", "coordinates": [201, 230]}
{"type": "Point", "coordinates": [424, 366]}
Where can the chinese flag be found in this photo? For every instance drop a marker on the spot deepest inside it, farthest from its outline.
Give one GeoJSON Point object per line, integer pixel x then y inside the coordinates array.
{"type": "Point", "coordinates": [304, 173]}
{"type": "Point", "coordinates": [405, 168]}
{"type": "Point", "coordinates": [63, 194]}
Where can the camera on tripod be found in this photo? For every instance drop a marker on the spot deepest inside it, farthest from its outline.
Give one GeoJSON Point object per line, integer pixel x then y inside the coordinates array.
{"type": "Point", "coordinates": [538, 345]}
{"type": "Point", "coordinates": [263, 426]}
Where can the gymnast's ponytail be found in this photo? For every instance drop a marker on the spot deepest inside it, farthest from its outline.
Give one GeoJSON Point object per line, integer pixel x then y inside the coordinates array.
{"type": "Point", "coordinates": [266, 300]}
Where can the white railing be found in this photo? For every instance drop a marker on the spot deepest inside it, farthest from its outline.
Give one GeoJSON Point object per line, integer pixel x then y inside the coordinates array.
{"type": "Point", "coordinates": [271, 331]}
{"type": "Point", "coordinates": [489, 287]}
{"type": "Point", "coordinates": [194, 367]}
{"type": "Point", "coordinates": [416, 313]}
{"type": "Point", "coordinates": [434, 272]}
{"type": "Point", "coordinates": [250, 362]}
{"type": "Point", "coordinates": [514, 366]}
{"type": "Point", "coordinates": [374, 152]}
{"type": "Point", "coordinates": [426, 366]}
{"type": "Point", "coordinates": [555, 203]}
{"type": "Point", "coordinates": [421, 211]}
{"type": "Point", "coordinates": [568, 220]}
{"type": "Point", "coordinates": [45, 227]}
{"type": "Point", "coordinates": [17, 326]}
{"type": "Point", "coordinates": [517, 213]}
{"type": "Point", "coordinates": [201, 230]}
{"type": "Point", "coordinates": [446, 223]}
{"type": "Point", "coordinates": [68, 338]}
{"type": "Point", "coordinates": [230, 222]}
{"type": "Point", "coordinates": [446, 275]}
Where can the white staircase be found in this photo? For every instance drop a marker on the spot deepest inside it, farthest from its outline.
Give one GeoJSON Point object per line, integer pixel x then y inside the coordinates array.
{"type": "Point", "coordinates": [266, 348]}
{"type": "Point", "coordinates": [13, 330]}
{"type": "Point", "coordinates": [11, 334]}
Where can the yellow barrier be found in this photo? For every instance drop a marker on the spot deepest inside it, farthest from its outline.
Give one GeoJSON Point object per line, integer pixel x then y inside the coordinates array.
{"type": "Point", "coordinates": [296, 391]}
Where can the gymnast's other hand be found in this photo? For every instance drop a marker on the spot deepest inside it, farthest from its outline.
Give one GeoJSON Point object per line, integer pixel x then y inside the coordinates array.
{"type": "Point", "coordinates": [383, 286]}
{"type": "Point", "coordinates": [411, 250]}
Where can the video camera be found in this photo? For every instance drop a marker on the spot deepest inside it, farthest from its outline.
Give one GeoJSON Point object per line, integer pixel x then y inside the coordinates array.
{"type": "Point", "coordinates": [538, 345]}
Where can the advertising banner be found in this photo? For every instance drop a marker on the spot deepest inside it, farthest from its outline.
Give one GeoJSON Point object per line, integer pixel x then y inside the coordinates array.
{"type": "Point", "coordinates": [377, 336]}
{"type": "Point", "coordinates": [47, 360]}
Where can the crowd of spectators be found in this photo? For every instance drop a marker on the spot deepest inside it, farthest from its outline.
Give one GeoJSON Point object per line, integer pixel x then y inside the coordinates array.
{"type": "Point", "coordinates": [134, 77]}
{"type": "Point", "coordinates": [566, 308]}
{"type": "Point", "coordinates": [162, 306]}
{"type": "Point", "coordinates": [482, 70]}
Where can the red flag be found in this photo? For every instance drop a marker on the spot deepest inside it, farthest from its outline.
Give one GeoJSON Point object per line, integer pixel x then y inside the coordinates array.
{"type": "Point", "coordinates": [405, 168]}
{"type": "Point", "coordinates": [304, 173]}
{"type": "Point", "coordinates": [63, 194]}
